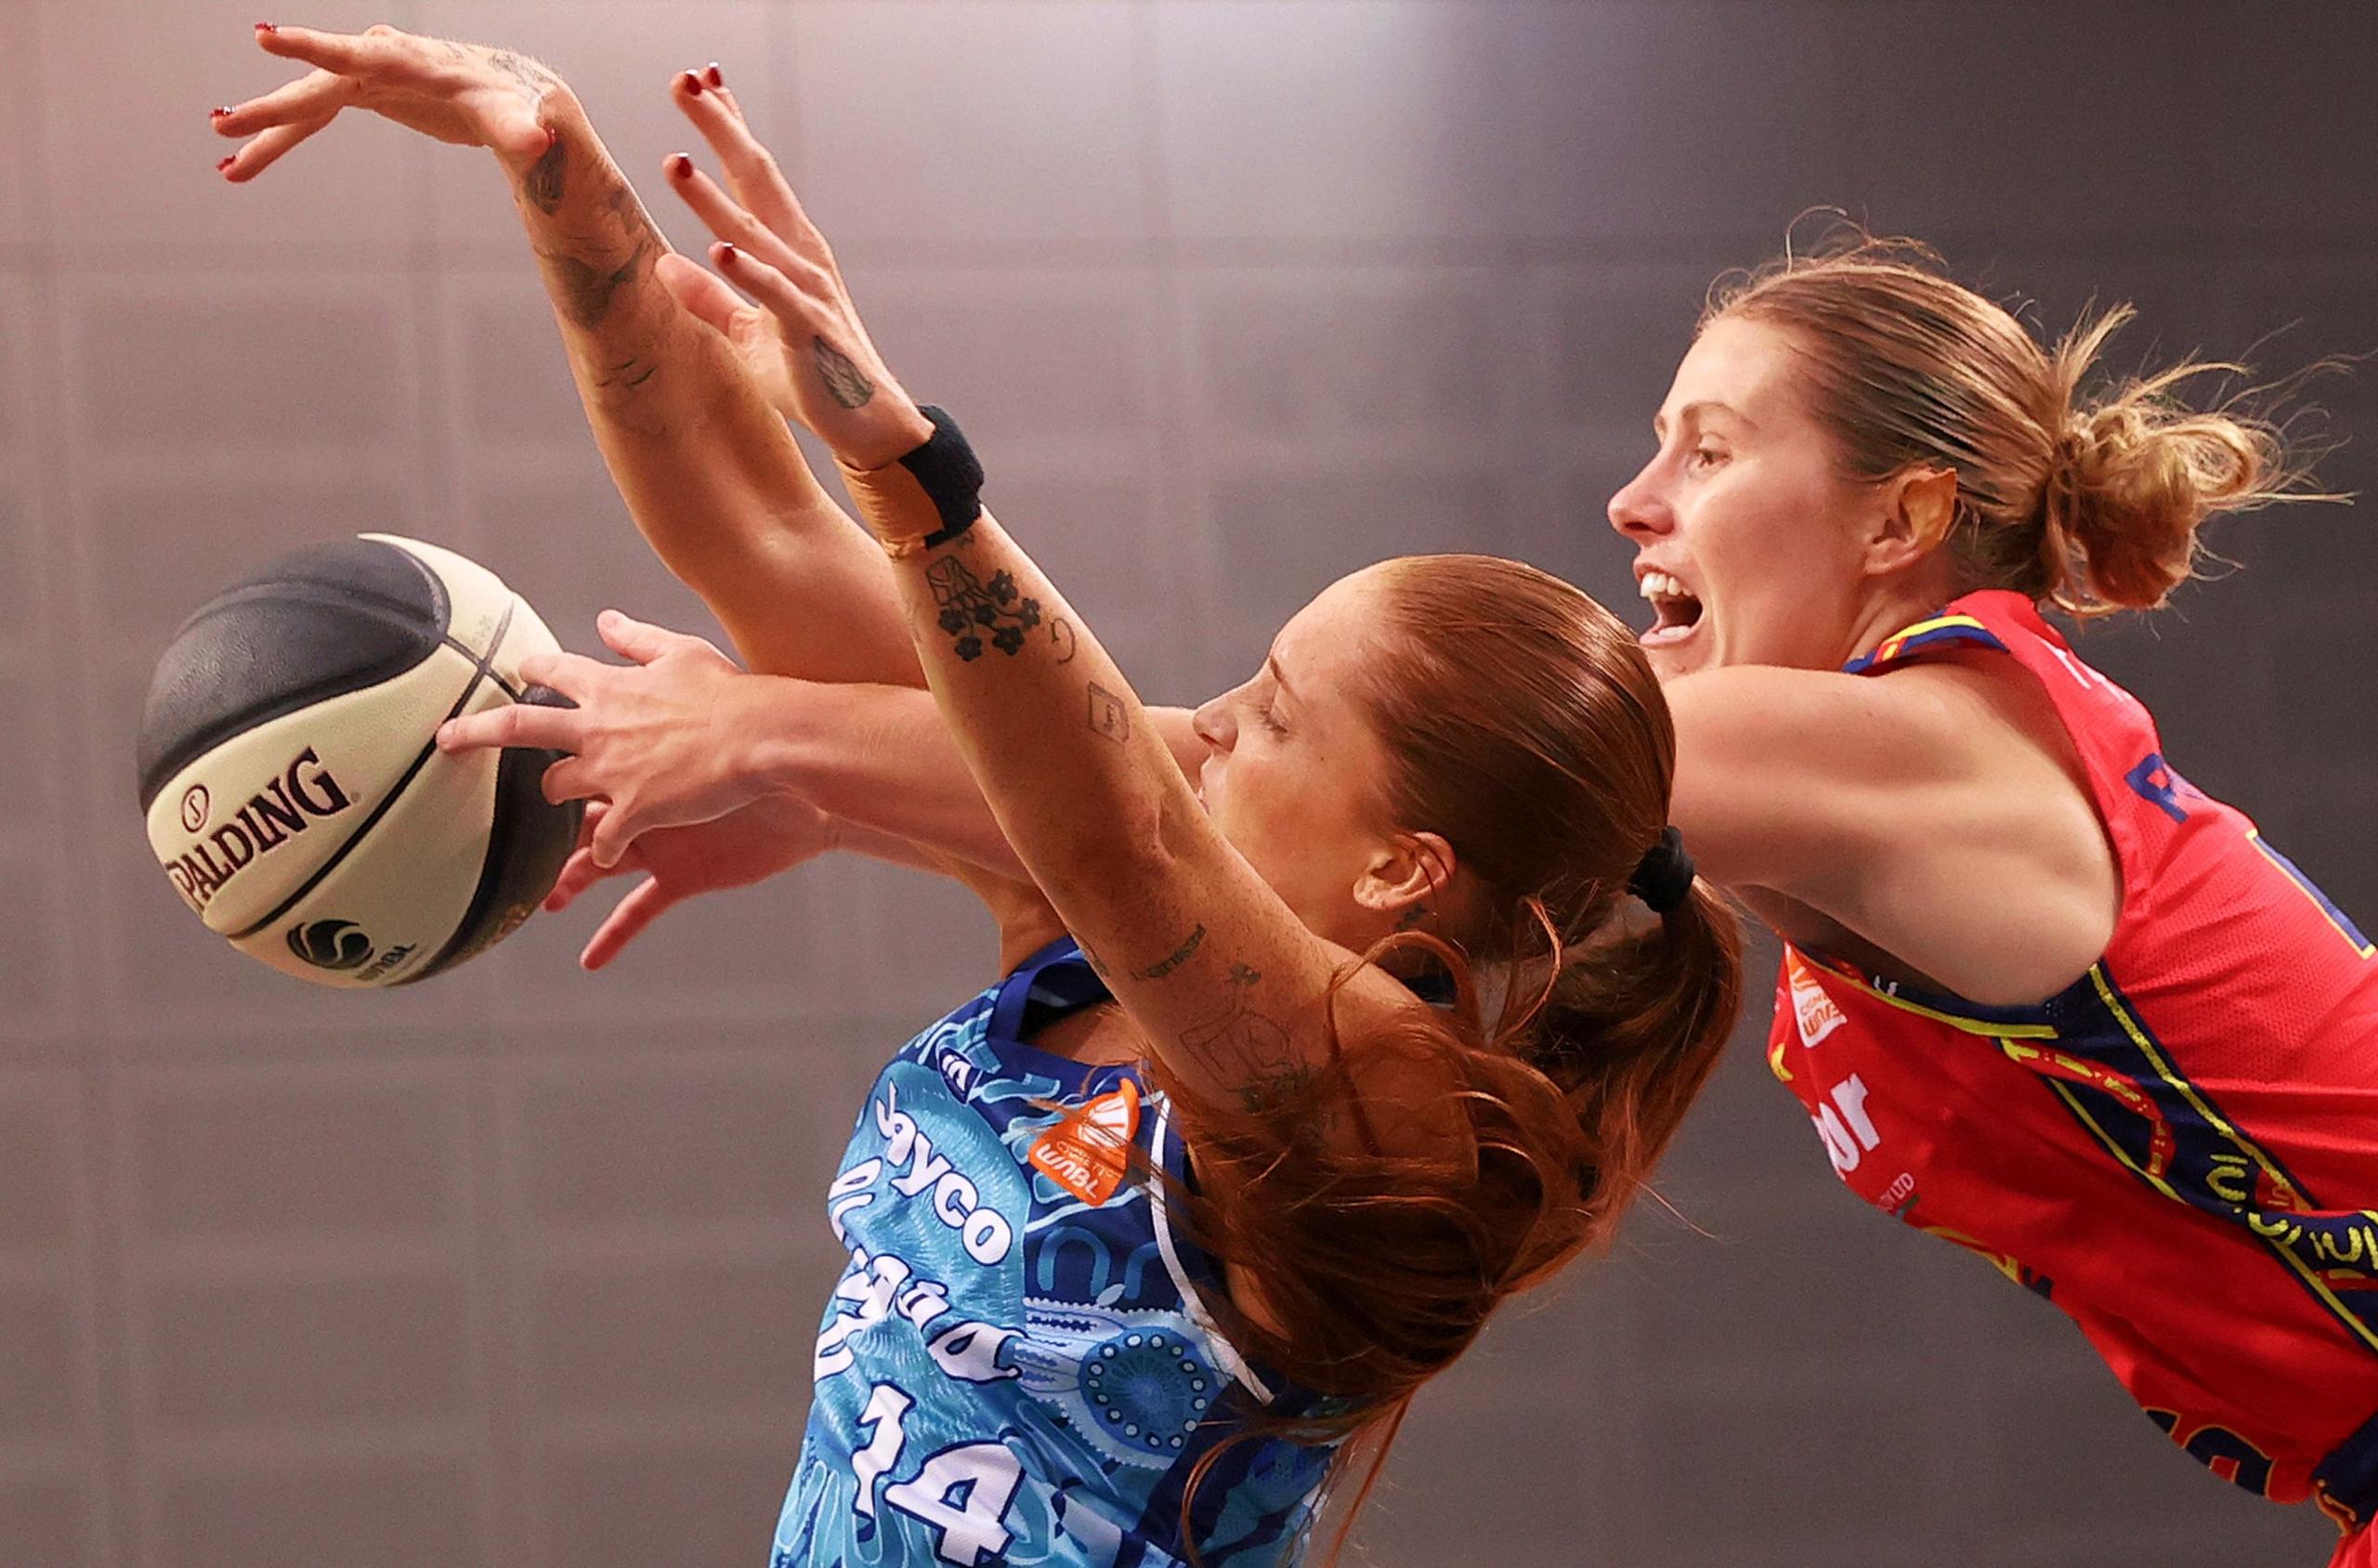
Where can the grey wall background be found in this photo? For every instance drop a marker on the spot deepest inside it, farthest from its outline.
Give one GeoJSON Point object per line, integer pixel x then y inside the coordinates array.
{"type": "Point", "coordinates": [521, 1268]}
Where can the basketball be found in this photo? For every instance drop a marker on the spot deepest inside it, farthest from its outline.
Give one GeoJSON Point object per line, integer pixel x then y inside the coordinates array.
{"type": "Point", "coordinates": [295, 794]}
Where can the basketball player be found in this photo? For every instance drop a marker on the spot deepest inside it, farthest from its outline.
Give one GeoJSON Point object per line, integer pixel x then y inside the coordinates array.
{"type": "Point", "coordinates": [1030, 1359]}
{"type": "Point", "coordinates": [2132, 1074]}
{"type": "Point", "coordinates": [2042, 996]}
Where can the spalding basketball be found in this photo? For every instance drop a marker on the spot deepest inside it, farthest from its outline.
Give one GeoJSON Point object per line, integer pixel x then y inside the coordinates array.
{"type": "Point", "coordinates": [295, 795]}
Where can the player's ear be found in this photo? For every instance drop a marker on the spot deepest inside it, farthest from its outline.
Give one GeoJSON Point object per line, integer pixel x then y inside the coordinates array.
{"type": "Point", "coordinates": [1404, 874]}
{"type": "Point", "coordinates": [1915, 509]}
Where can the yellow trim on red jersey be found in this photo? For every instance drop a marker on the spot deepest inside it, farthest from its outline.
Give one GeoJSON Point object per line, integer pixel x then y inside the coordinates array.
{"type": "Point", "coordinates": [2064, 1092]}
{"type": "Point", "coordinates": [2188, 1091]}
{"type": "Point", "coordinates": [1982, 1026]}
{"type": "Point", "coordinates": [1888, 649]}
{"type": "Point", "coordinates": [2328, 911]}
{"type": "Point", "coordinates": [2244, 1145]}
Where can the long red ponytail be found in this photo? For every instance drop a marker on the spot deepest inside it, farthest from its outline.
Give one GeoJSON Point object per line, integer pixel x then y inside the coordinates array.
{"type": "Point", "coordinates": [1524, 725]}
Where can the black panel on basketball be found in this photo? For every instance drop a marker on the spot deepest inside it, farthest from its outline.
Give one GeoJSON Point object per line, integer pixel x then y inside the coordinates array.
{"type": "Point", "coordinates": [527, 842]}
{"type": "Point", "coordinates": [295, 797]}
{"type": "Point", "coordinates": [314, 624]}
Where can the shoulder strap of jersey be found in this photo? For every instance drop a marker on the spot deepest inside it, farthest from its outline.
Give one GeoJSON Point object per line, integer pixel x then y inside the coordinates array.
{"type": "Point", "coordinates": [2111, 731]}
{"type": "Point", "coordinates": [2006, 622]}
{"type": "Point", "coordinates": [1061, 976]}
{"type": "Point", "coordinates": [1965, 621]}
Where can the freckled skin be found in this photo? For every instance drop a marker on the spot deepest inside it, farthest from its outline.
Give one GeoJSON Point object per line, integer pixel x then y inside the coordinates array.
{"type": "Point", "coordinates": [1298, 800]}
{"type": "Point", "coordinates": [1744, 503]}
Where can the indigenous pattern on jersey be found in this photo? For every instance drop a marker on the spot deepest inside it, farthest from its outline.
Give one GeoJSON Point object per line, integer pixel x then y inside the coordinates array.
{"type": "Point", "coordinates": [2181, 1150]}
{"type": "Point", "coordinates": [1015, 1367]}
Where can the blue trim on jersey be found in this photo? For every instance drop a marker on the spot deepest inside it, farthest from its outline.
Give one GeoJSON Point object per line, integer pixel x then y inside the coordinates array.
{"type": "Point", "coordinates": [1008, 1372]}
{"type": "Point", "coordinates": [2169, 1133]}
{"type": "Point", "coordinates": [2213, 1165]}
{"type": "Point", "coordinates": [1899, 646]}
{"type": "Point", "coordinates": [2349, 1475]}
{"type": "Point", "coordinates": [2311, 890]}
{"type": "Point", "coordinates": [2016, 1017]}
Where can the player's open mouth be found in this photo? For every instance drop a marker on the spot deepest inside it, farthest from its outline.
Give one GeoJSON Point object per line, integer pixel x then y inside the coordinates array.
{"type": "Point", "coordinates": [1678, 611]}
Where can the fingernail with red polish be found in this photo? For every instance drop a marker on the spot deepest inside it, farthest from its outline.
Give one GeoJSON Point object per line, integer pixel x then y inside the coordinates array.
{"type": "Point", "coordinates": [712, 75]}
{"type": "Point", "coordinates": [680, 167]}
{"type": "Point", "coordinates": [693, 83]}
{"type": "Point", "coordinates": [728, 253]}
{"type": "Point", "coordinates": [267, 27]}
{"type": "Point", "coordinates": [227, 163]}
{"type": "Point", "coordinates": [219, 112]}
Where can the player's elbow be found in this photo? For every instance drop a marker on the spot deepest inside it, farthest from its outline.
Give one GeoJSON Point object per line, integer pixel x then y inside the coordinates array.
{"type": "Point", "coordinates": [1126, 849]}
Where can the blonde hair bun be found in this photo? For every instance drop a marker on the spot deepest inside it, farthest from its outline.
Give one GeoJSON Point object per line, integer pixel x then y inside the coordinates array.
{"type": "Point", "coordinates": [2094, 506]}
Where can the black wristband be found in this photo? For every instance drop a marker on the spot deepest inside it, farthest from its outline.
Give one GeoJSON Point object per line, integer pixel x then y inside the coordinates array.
{"type": "Point", "coordinates": [949, 473]}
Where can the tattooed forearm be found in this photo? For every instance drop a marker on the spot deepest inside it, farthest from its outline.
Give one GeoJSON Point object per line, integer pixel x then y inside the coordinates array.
{"type": "Point", "coordinates": [590, 230]}
{"type": "Point", "coordinates": [643, 366]}
{"type": "Point", "coordinates": [543, 183]}
{"type": "Point", "coordinates": [971, 608]}
{"type": "Point", "coordinates": [1242, 1044]}
{"type": "Point", "coordinates": [630, 373]}
{"type": "Point", "coordinates": [1175, 959]}
{"type": "Point", "coordinates": [844, 380]}
{"type": "Point", "coordinates": [594, 242]}
{"type": "Point", "coordinates": [585, 291]}
{"type": "Point", "coordinates": [528, 72]}
{"type": "Point", "coordinates": [621, 201]}
{"type": "Point", "coordinates": [1107, 714]}
{"type": "Point", "coordinates": [1276, 1091]}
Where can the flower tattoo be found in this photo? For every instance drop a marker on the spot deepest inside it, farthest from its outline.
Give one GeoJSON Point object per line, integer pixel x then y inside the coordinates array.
{"type": "Point", "coordinates": [971, 606]}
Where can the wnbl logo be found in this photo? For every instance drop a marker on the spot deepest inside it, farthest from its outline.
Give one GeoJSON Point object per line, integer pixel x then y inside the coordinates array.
{"type": "Point", "coordinates": [331, 944]}
{"type": "Point", "coordinates": [339, 946]}
{"type": "Point", "coordinates": [287, 806]}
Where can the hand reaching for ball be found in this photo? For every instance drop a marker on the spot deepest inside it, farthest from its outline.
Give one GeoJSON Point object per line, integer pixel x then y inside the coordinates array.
{"type": "Point", "coordinates": [661, 750]}
{"type": "Point", "coordinates": [750, 845]}
{"type": "Point", "coordinates": [664, 742]}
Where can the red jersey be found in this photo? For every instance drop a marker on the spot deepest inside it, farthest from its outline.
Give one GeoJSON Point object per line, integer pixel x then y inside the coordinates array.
{"type": "Point", "coordinates": [2180, 1150]}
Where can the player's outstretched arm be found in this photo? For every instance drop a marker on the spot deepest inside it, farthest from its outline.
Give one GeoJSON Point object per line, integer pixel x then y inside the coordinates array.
{"type": "Point", "coordinates": [706, 464]}
{"type": "Point", "coordinates": [713, 478]}
{"type": "Point", "coordinates": [692, 769]}
{"type": "Point", "coordinates": [680, 738]}
{"type": "Point", "coordinates": [1233, 992]}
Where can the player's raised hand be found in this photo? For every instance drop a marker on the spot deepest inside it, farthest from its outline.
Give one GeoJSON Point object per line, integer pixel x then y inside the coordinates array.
{"type": "Point", "coordinates": [773, 834]}
{"type": "Point", "coordinates": [461, 93]}
{"type": "Point", "coordinates": [664, 742]}
{"type": "Point", "coordinates": [803, 342]}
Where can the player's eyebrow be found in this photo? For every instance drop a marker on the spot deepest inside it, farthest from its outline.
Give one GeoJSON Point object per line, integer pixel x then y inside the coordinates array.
{"type": "Point", "coordinates": [1686, 413]}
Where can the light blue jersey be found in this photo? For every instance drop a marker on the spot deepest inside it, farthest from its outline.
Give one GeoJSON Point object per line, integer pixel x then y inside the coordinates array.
{"type": "Point", "coordinates": [1014, 1368]}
